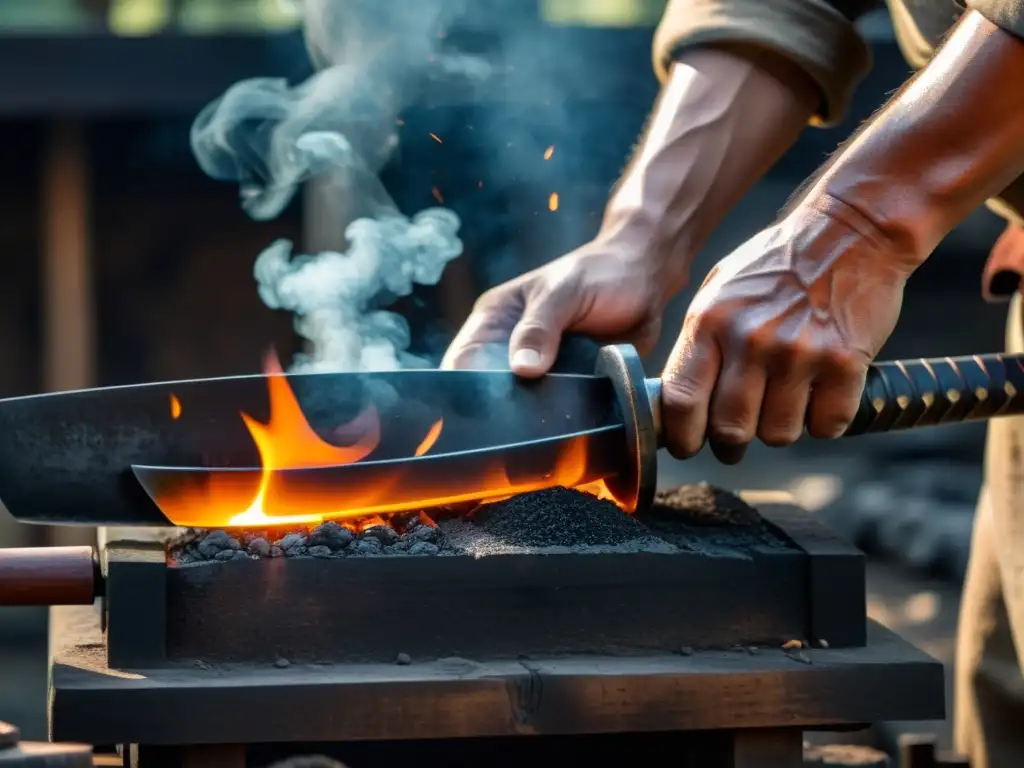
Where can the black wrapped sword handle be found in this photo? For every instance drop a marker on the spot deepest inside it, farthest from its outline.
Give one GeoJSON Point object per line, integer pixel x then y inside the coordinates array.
{"type": "Point", "coordinates": [907, 394]}
{"type": "Point", "coordinates": [903, 394]}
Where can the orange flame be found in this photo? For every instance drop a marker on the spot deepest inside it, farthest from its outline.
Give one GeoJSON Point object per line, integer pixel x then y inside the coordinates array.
{"type": "Point", "coordinates": [549, 152]}
{"type": "Point", "coordinates": [175, 407]}
{"type": "Point", "coordinates": [553, 202]}
{"type": "Point", "coordinates": [287, 441]}
{"type": "Point", "coordinates": [436, 138]}
{"type": "Point", "coordinates": [431, 438]}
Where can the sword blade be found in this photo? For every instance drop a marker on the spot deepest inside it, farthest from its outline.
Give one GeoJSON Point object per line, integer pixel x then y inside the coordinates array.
{"type": "Point", "coordinates": [206, 497]}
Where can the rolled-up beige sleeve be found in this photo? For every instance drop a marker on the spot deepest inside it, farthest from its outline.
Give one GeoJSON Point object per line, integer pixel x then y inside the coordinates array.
{"type": "Point", "coordinates": [1008, 14]}
{"type": "Point", "coordinates": [810, 33]}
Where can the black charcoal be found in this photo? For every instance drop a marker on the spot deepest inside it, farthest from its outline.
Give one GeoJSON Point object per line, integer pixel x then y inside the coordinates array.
{"type": "Point", "coordinates": [704, 504]}
{"type": "Point", "coordinates": [332, 535]}
{"type": "Point", "coordinates": [424, 548]}
{"type": "Point", "coordinates": [292, 541]}
{"type": "Point", "coordinates": [553, 521]}
{"type": "Point", "coordinates": [385, 534]}
{"type": "Point", "coordinates": [403, 659]}
{"type": "Point", "coordinates": [559, 517]}
{"type": "Point", "coordinates": [703, 518]}
{"type": "Point", "coordinates": [212, 543]}
{"type": "Point", "coordinates": [369, 546]}
{"type": "Point", "coordinates": [259, 547]}
{"type": "Point", "coordinates": [426, 533]}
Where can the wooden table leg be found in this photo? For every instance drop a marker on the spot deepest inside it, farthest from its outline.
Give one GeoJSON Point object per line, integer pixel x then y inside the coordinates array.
{"type": "Point", "coordinates": [69, 311]}
{"type": "Point", "coordinates": [768, 748]}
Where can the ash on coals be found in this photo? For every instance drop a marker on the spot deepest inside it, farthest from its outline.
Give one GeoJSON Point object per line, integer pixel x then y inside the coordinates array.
{"type": "Point", "coordinates": [552, 521]}
{"type": "Point", "coordinates": [327, 540]}
{"type": "Point", "coordinates": [559, 517]}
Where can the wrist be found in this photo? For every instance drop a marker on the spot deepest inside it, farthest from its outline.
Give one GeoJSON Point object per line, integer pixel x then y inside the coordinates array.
{"type": "Point", "coordinates": [641, 239]}
{"type": "Point", "coordinates": [826, 233]}
{"type": "Point", "coordinates": [953, 137]}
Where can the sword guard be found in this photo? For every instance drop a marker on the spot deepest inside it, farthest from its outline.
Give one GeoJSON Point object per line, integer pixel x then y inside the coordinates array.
{"type": "Point", "coordinates": [641, 412]}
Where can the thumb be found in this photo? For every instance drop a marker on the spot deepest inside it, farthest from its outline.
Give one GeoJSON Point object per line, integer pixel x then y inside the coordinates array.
{"type": "Point", "coordinates": [534, 344]}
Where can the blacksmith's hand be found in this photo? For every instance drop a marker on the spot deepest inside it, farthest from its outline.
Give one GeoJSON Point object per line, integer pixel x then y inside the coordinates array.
{"type": "Point", "coordinates": [782, 331]}
{"type": "Point", "coordinates": [780, 336]}
{"type": "Point", "coordinates": [609, 291]}
{"type": "Point", "coordinates": [723, 117]}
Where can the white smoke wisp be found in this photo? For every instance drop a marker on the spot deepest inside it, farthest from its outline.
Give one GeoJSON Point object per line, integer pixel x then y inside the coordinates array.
{"type": "Point", "coordinates": [271, 137]}
{"type": "Point", "coordinates": [328, 292]}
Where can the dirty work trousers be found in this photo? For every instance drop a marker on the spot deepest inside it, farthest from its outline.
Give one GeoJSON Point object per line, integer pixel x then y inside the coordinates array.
{"type": "Point", "coordinates": [989, 685]}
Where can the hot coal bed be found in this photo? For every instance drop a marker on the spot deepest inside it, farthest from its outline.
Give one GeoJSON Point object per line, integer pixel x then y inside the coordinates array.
{"type": "Point", "coordinates": [706, 626]}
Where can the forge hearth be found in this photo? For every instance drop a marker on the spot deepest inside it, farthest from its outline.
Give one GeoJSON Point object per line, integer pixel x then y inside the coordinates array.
{"type": "Point", "coordinates": [706, 626]}
{"type": "Point", "coordinates": [551, 572]}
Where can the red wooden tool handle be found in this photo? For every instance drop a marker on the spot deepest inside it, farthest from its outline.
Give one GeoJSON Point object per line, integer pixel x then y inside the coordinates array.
{"type": "Point", "coordinates": [48, 576]}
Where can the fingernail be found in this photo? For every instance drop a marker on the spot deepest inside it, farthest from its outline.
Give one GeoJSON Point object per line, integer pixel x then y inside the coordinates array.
{"type": "Point", "coordinates": [526, 358]}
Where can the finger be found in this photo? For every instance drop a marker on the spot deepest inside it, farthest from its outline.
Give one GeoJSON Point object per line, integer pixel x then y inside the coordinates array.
{"type": "Point", "coordinates": [482, 342]}
{"type": "Point", "coordinates": [686, 386]}
{"type": "Point", "coordinates": [736, 408]}
{"type": "Point", "coordinates": [784, 408]}
{"type": "Point", "coordinates": [533, 346]}
{"type": "Point", "coordinates": [835, 396]}
{"type": "Point", "coordinates": [477, 345]}
{"type": "Point", "coordinates": [476, 356]}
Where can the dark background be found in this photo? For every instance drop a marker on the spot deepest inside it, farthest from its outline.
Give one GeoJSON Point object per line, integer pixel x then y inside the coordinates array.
{"type": "Point", "coordinates": [122, 262]}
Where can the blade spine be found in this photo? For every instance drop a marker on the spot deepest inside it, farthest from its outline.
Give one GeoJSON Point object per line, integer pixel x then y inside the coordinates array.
{"type": "Point", "coordinates": [462, 372]}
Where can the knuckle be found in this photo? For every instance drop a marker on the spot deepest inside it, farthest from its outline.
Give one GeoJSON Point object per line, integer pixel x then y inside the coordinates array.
{"type": "Point", "coordinates": [779, 435]}
{"type": "Point", "coordinates": [679, 396]}
{"type": "Point", "coordinates": [489, 299]}
{"type": "Point", "coordinates": [708, 322]}
{"type": "Point", "coordinates": [844, 362]}
{"type": "Point", "coordinates": [831, 422]}
{"type": "Point", "coordinates": [731, 434]}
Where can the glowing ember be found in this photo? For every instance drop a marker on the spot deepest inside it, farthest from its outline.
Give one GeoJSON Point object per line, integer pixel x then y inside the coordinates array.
{"type": "Point", "coordinates": [436, 138]}
{"type": "Point", "coordinates": [234, 498]}
{"type": "Point", "coordinates": [549, 152]}
{"type": "Point", "coordinates": [437, 195]}
{"type": "Point", "coordinates": [553, 202]}
{"type": "Point", "coordinates": [430, 439]}
{"type": "Point", "coordinates": [175, 407]}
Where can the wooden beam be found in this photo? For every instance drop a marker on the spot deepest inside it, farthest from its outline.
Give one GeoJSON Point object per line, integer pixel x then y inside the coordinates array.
{"type": "Point", "coordinates": [459, 698]}
{"type": "Point", "coordinates": [69, 319]}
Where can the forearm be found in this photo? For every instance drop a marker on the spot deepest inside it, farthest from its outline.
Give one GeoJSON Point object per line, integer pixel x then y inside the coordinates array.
{"type": "Point", "coordinates": [724, 117]}
{"type": "Point", "coordinates": [951, 139]}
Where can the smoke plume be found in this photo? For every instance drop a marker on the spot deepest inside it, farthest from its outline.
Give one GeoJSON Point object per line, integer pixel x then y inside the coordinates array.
{"type": "Point", "coordinates": [270, 137]}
